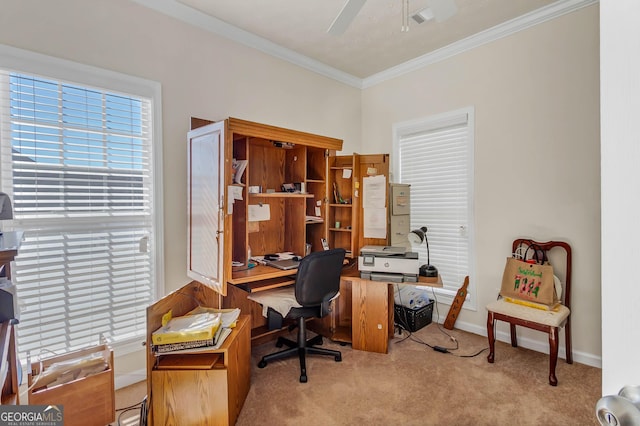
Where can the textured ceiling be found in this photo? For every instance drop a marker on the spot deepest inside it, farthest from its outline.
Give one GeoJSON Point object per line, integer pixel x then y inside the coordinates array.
{"type": "Point", "coordinates": [374, 41]}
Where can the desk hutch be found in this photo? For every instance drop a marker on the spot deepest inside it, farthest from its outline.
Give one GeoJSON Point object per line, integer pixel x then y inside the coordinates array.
{"type": "Point", "coordinates": [224, 227]}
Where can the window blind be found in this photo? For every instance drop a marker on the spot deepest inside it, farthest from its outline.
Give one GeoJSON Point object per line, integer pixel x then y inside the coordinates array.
{"type": "Point", "coordinates": [77, 164]}
{"type": "Point", "coordinates": [435, 157]}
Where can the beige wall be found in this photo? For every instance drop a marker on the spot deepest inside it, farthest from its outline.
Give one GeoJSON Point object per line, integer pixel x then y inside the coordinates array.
{"type": "Point", "coordinates": [535, 95]}
{"type": "Point", "coordinates": [201, 75]}
{"type": "Point", "coordinates": [537, 162]}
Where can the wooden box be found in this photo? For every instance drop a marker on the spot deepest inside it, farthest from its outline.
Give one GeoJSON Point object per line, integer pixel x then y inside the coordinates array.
{"type": "Point", "coordinates": [86, 401]}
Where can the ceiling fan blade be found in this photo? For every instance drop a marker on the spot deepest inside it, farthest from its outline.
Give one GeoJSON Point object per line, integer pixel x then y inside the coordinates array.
{"type": "Point", "coordinates": [442, 9]}
{"type": "Point", "coordinates": [346, 15]}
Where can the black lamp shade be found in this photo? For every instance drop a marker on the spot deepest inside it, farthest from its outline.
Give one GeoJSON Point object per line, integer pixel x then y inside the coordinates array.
{"type": "Point", "coordinates": [417, 236]}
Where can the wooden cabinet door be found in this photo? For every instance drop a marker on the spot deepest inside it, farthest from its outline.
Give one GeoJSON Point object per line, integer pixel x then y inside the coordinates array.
{"type": "Point", "coordinates": [190, 397]}
{"type": "Point", "coordinates": [205, 188]}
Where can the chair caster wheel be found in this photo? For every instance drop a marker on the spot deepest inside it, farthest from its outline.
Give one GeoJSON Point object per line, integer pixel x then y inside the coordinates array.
{"type": "Point", "coordinates": [279, 343]}
{"type": "Point", "coordinates": [303, 379]}
{"type": "Point", "coordinates": [338, 358]}
{"type": "Point", "coordinates": [262, 364]}
{"type": "Point", "coordinates": [343, 343]}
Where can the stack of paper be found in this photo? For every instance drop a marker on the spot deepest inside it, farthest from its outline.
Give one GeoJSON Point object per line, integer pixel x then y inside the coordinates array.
{"type": "Point", "coordinates": [188, 328]}
{"type": "Point", "coordinates": [228, 317]}
{"type": "Point", "coordinates": [226, 321]}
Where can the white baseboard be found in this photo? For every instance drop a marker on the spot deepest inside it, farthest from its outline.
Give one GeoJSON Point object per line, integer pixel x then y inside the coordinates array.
{"type": "Point", "coordinates": [132, 377]}
{"type": "Point", "coordinates": [535, 345]}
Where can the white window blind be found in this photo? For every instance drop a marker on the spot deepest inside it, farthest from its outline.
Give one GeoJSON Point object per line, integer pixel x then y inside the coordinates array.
{"type": "Point", "coordinates": [77, 162]}
{"type": "Point", "coordinates": [435, 156]}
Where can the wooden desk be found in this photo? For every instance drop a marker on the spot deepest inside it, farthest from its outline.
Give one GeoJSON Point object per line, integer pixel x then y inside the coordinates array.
{"type": "Point", "coordinates": [247, 281]}
{"type": "Point", "coordinates": [363, 314]}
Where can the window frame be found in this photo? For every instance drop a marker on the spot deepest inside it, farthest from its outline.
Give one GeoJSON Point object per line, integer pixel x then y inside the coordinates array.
{"type": "Point", "coordinates": [27, 62]}
{"type": "Point", "coordinates": [434, 122]}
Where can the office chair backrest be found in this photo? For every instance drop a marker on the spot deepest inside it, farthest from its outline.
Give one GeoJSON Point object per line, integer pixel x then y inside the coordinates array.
{"type": "Point", "coordinates": [318, 277]}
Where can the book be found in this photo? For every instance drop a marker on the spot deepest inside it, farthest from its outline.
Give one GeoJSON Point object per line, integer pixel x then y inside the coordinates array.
{"type": "Point", "coordinates": [188, 328]}
{"type": "Point", "coordinates": [172, 347]}
{"type": "Point", "coordinates": [193, 347]}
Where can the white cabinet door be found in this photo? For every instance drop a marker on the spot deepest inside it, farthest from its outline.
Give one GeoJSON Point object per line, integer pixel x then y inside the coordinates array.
{"type": "Point", "coordinates": [205, 185]}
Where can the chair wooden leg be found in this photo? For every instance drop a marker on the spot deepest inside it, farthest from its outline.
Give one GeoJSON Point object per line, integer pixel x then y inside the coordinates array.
{"type": "Point", "coordinates": [567, 341]}
{"type": "Point", "coordinates": [553, 355]}
{"type": "Point", "coordinates": [514, 336]}
{"type": "Point", "coordinates": [492, 339]}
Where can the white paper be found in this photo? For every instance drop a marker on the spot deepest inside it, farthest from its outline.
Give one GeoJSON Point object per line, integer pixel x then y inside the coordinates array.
{"type": "Point", "coordinates": [346, 173]}
{"type": "Point", "coordinates": [259, 212]}
{"type": "Point", "coordinates": [374, 191]}
{"type": "Point", "coordinates": [375, 222]}
{"type": "Point", "coordinates": [238, 166]}
{"type": "Point", "coordinates": [233, 193]}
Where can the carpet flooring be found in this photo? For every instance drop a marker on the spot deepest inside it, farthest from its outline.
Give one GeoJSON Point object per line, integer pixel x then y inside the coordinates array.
{"type": "Point", "coordinates": [414, 385]}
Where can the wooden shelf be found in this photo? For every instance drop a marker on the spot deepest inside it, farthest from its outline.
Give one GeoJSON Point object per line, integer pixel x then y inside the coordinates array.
{"type": "Point", "coordinates": [281, 195]}
{"type": "Point", "coordinates": [342, 334]}
{"type": "Point", "coordinates": [262, 285]}
{"type": "Point", "coordinates": [259, 273]}
{"type": "Point", "coordinates": [340, 229]}
{"type": "Point", "coordinates": [341, 205]}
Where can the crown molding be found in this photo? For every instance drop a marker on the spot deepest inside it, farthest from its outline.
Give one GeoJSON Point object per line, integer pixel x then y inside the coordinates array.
{"type": "Point", "coordinates": [206, 22]}
{"type": "Point", "coordinates": [201, 20]}
{"type": "Point", "coordinates": [513, 26]}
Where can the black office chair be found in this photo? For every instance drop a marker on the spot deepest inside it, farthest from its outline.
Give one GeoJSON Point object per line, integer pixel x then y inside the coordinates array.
{"type": "Point", "coordinates": [317, 282]}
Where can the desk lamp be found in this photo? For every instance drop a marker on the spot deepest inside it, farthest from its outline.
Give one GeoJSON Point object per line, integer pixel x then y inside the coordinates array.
{"type": "Point", "coordinates": [417, 236]}
{"type": "Point", "coordinates": [6, 211]}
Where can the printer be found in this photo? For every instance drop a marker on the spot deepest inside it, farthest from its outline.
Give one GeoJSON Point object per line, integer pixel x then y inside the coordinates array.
{"type": "Point", "coordinates": [388, 263]}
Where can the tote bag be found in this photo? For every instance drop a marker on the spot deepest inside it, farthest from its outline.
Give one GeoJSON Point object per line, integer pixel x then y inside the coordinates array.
{"type": "Point", "coordinates": [529, 281]}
